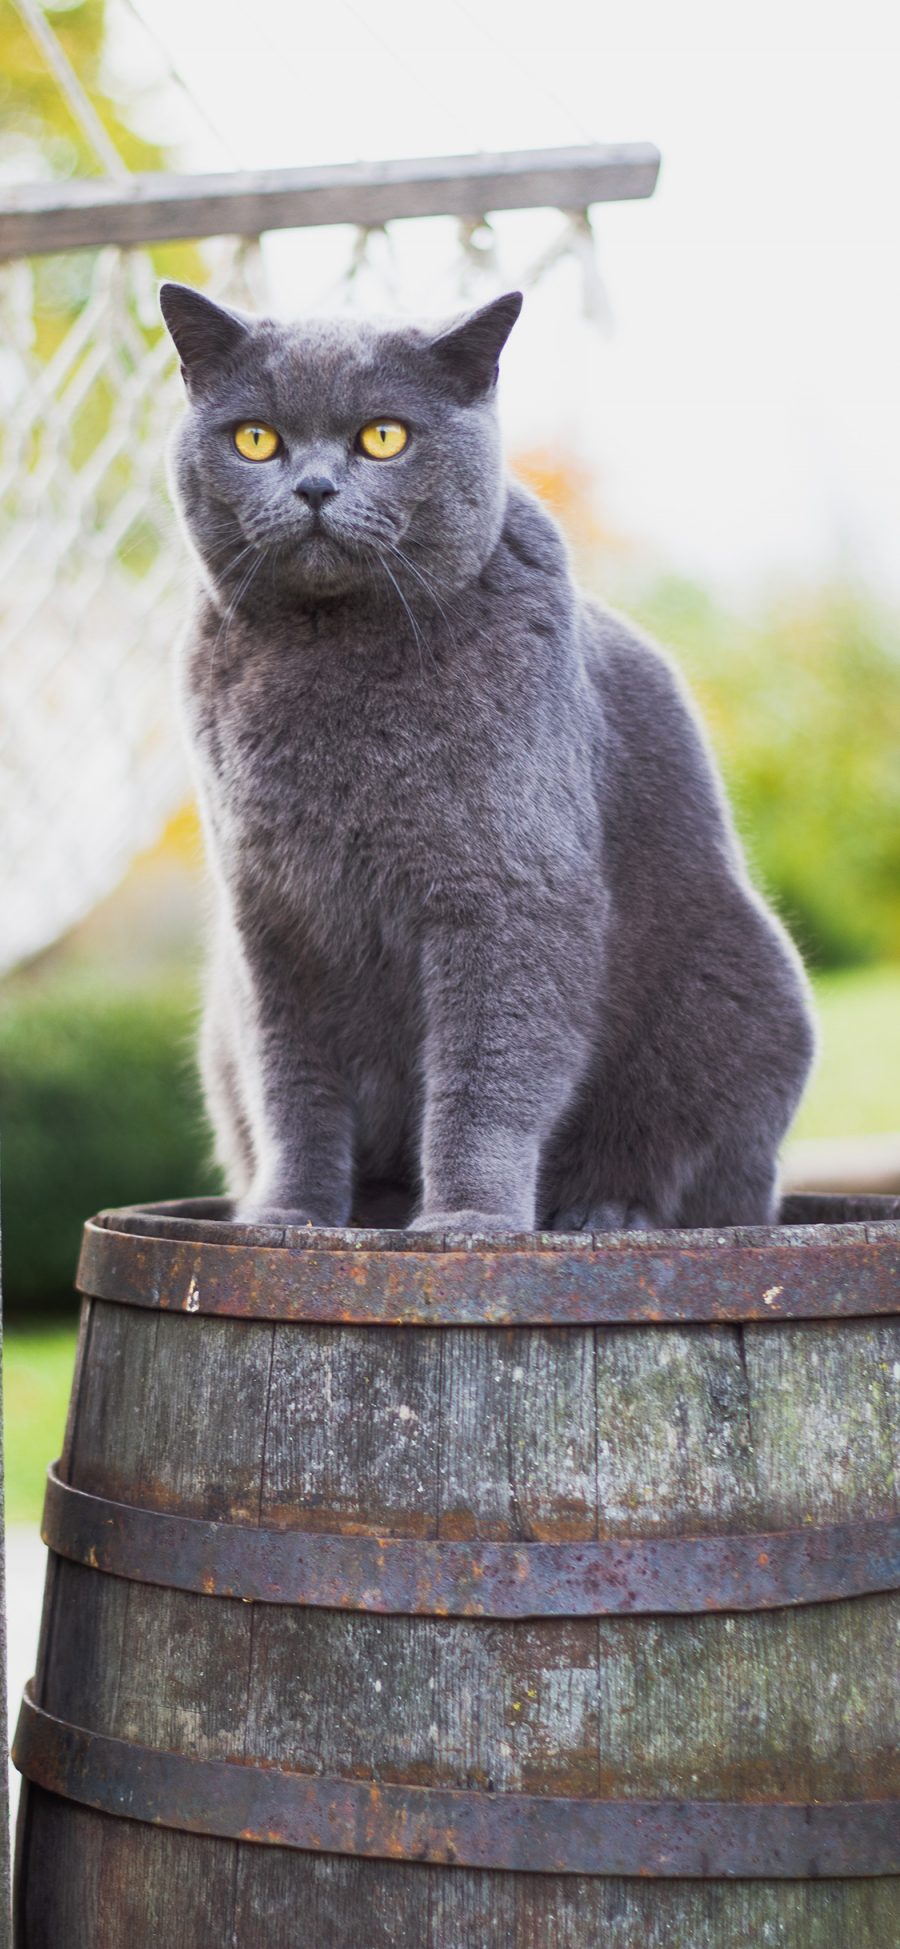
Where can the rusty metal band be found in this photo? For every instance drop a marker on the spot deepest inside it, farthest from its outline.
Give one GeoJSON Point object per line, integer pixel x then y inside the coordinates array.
{"type": "Point", "coordinates": [527, 1833]}
{"type": "Point", "coordinates": [416, 1577]}
{"type": "Point", "coordinates": [606, 1285]}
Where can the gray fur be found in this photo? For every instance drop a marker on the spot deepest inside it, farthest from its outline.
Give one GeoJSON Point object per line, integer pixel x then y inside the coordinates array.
{"type": "Point", "coordinates": [485, 951]}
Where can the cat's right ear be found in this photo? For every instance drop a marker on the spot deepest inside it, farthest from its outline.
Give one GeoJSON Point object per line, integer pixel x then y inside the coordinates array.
{"type": "Point", "coordinates": [206, 335]}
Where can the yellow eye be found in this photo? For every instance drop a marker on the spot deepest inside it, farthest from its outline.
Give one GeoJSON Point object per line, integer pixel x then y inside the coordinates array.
{"type": "Point", "coordinates": [256, 442]}
{"type": "Point", "coordinates": [381, 439]}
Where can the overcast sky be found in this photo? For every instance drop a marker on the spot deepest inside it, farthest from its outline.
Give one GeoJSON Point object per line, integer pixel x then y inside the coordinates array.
{"type": "Point", "coordinates": [743, 418]}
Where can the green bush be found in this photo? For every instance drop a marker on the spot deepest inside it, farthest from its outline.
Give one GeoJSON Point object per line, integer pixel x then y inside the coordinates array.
{"type": "Point", "coordinates": [99, 1105]}
{"type": "Point", "coordinates": [803, 706]}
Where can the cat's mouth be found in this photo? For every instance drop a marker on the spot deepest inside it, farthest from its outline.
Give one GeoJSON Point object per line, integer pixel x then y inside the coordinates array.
{"type": "Point", "coordinates": [315, 555]}
{"type": "Point", "coordinates": [318, 559]}
{"type": "Point", "coordinates": [317, 529]}
{"type": "Point", "coordinates": [319, 543]}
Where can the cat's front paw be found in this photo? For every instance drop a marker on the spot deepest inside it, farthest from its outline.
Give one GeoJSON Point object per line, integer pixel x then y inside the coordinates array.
{"type": "Point", "coordinates": [250, 1213]}
{"type": "Point", "coordinates": [608, 1217]}
{"type": "Point", "coordinates": [618, 1217]}
{"type": "Point", "coordinates": [465, 1221]}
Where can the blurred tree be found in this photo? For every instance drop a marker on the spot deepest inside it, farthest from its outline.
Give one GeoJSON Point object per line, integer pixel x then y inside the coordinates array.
{"type": "Point", "coordinates": [40, 136]}
{"type": "Point", "coordinates": [803, 705]}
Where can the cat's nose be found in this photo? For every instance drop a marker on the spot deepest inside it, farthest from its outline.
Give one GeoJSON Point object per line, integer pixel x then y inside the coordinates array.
{"type": "Point", "coordinates": [314, 489]}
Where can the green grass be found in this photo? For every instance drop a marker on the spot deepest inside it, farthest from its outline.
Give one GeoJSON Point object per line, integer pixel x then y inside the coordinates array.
{"type": "Point", "coordinates": [856, 1091]}
{"type": "Point", "coordinates": [37, 1376]}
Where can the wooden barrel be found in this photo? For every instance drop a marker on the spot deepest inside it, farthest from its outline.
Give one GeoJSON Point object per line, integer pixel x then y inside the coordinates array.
{"type": "Point", "coordinates": [450, 1593]}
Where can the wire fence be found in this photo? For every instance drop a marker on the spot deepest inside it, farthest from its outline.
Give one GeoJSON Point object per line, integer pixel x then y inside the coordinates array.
{"type": "Point", "coordinates": [93, 587]}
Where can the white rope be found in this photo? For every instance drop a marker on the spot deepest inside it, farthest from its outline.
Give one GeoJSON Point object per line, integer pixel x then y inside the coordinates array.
{"type": "Point", "coordinates": [174, 74]}
{"type": "Point", "coordinates": [577, 240]}
{"type": "Point", "coordinates": [80, 106]}
{"type": "Point", "coordinates": [478, 248]}
{"type": "Point", "coordinates": [424, 82]}
{"type": "Point", "coordinates": [508, 48]}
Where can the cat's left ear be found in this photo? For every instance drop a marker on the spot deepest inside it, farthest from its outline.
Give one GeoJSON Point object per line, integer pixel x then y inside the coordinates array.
{"type": "Point", "coordinates": [206, 335]}
{"type": "Point", "coordinates": [468, 352]}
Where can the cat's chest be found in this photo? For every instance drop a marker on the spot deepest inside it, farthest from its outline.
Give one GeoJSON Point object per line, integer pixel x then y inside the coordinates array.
{"type": "Point", "coordinates": [309, 782]}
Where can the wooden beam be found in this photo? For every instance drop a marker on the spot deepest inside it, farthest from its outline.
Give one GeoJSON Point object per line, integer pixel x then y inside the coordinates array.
{"type": "Point", "coordinates": [92, 211]}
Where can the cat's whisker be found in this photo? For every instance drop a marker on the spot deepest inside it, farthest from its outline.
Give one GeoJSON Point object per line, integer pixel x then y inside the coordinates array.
{"type": "Point", "coordinates": [220, 563]}
{"type": "Point", "coordinates": [423, 582]}
{"type": "Point", "coordinates": [274, 552]}
{"type": "Point", "coordinates": [238, 597]}
{"type": "Point", "coordinates": [417, 634]}
{"type": "Point", "coordinates": [422, 579]}
{"type": "Point", "coordinates": [411, 546]}
{"type": "Point", "coordinates": [251, 548]}
{"type": "Point", "coordinates": [430, 583]}
{"type": "Point", "coordinates": [364, 546]}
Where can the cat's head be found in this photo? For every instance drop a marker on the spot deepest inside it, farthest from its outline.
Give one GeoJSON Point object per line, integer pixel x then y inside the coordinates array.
{"type": "Point", "coordinates": [338, 455]}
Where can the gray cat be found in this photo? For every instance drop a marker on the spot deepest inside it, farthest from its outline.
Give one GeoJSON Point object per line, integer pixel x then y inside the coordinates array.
{"type": "Point", "coordinates": [485, 952]}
